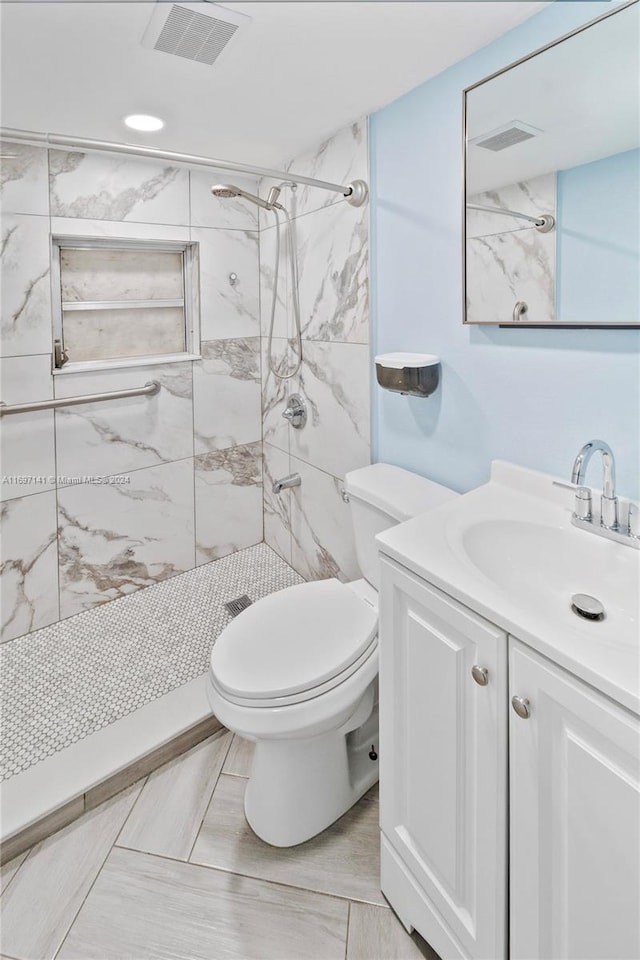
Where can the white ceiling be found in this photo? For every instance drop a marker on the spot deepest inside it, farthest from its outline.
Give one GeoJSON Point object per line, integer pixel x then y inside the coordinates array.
{"type": "Point", "coordinates": [300, 71]}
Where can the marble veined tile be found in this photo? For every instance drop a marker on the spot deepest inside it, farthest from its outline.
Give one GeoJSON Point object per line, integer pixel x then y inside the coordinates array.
{"type": "Point", "coordinates": [277, 506]}
{"type": "Point", "coordinates": [117, 537]}
{"type": "Point", "coordinates": [321, 532]}
{"type": "Point", "coordinates": [27, 449]}
{"type": "Point", "coordinates": [508, 267]}
{"type": "Point", "coordinates": [114, 436]}
{"type": "Point", "coordinates": [334, 380]}
{"type": "Point", "coordinates": [24, 179]}
{"type": "Point", "coordinates": [228, 490]}
{"type": "Point", "coordinates": [334, 273]}
{"type": "Point", "coordinates": [25, 301]}
{"type": "Point", "coordinates": [103, 187]}
{"type": "Point", "coordinates": [228, 309]}
{"type": "Point", "coordinates": [28, 564]}
{"type": "Point", "coordinates": [275, 391]}
{"type": "Point", "coordinates": [152, 908]}
{"type": "Point", "coordinates": [231, 213]}
{"type": "Point", "coordinates": [283, 323]}
{"type": "Point", "coordinates": [340, 158]}
{"type": "Point", "coordinates": [226, 394]}
{"type": "Point", "coordinates": [118, 229]}
{"type": "Point", "coordinates": [533, 197]}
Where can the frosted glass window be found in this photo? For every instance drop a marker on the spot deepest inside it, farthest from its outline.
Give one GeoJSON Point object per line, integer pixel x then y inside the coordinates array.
{"type": "Point", "coordinates": [124, 302]}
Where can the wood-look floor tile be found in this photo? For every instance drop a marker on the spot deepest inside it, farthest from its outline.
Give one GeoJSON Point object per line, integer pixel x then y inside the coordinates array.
{"type": "Point", "coordinates": [26, 839]}
{"type": "Point", "coordinates": [343, 860]}
{"type": "Point", "coordinates": [152, 761]}
{"type": "Point", "coordinates": [169, 811]}
{"type": "Point", "coordinates": [9, 870]}
{"type": "Point", "coordinates": [375, 933]}
{"type": "Point", "coordinates": [40, 904]}
{"type": "Point", "coordinates": [146, 907]}
{"type": "Point", "coordinates": [240, 757]}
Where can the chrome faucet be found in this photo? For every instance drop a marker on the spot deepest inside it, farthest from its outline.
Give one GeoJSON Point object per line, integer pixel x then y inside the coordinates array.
{"type": "Point", "coordinates": [608, 501]}
{"type": "Point", "coordinates": [293, 480]}
{"type": "Point", "coordinates": [582, 517]}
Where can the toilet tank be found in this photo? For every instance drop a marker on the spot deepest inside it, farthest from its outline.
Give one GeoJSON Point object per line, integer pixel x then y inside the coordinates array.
{"type": "Point", "coordinates": [381, 496]}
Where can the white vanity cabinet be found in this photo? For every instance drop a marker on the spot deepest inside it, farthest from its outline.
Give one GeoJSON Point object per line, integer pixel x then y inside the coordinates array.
{"type": "Point", "coordinates": [568, 792]}
{"type": "Point", "coordinates": [574, 817]}
{"type": "Point", "coordinates": [443, 743]}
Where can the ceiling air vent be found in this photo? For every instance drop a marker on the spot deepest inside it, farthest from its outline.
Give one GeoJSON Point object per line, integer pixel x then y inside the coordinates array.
{"type": "Point", "coordinates": [194, 31]}
{"type": "Point", "coordinates": [507, 136]}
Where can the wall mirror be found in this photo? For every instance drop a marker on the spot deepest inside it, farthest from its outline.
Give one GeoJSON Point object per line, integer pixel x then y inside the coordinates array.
{"type": "Point", "coordinates": [552, 177]}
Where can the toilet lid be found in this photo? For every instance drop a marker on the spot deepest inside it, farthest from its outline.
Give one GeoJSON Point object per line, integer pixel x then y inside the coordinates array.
{"type": "Point", "coordinates": [293, 641]}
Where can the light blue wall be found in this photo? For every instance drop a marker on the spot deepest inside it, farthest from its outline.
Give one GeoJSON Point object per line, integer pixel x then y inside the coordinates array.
{"type": "Point", "coordinates": [599, 240]}
{"type": "Point", "coordinates": [528, 396]}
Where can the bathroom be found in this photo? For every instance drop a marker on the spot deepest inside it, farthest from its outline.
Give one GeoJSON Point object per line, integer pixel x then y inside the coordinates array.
{"type": "Point", "coordinates": [405, 519]}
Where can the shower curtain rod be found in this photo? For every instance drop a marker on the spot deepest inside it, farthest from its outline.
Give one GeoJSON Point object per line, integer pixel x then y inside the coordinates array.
{"type": "Point", "coordinates": [354, 193]}
{"type": "Point", "coordinates": [543, 223]}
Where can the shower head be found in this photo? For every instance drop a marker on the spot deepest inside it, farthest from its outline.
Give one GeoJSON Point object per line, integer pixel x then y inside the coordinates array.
{"type": "Point", "coordinates": [227, 190]}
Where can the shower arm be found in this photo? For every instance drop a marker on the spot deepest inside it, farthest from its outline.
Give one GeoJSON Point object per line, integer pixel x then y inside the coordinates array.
{"type": "Point", "coordinates": [543, 223]}
{"type": "Point", "coordinates": [354, 193]}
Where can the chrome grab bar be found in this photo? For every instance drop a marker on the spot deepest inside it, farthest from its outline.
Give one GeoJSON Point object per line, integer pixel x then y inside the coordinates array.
{"type": "Point", "coordinates": [149, 390]}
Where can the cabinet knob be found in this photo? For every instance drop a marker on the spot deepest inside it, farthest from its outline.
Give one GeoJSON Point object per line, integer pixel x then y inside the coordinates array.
{"type": "Point", "coordinates": [480, 675]}
{"type": "Point", "coordinates": [521, 707]}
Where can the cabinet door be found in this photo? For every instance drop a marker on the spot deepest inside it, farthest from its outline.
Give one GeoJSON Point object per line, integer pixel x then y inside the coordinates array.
{"type": "Point", "coordinates": [575, 814]}
{"type": "Point", "coordinates": [443, 754]}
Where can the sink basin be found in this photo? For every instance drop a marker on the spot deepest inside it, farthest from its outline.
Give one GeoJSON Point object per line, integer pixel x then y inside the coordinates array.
{"type": "Point", "coordinates": [537, 563]}
{"type": "Point", "coordinates": [509, 552]}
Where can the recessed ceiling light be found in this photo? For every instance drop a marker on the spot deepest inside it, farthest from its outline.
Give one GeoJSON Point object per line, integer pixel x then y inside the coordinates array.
{"type": "Point", "coordinates": [142, 121]}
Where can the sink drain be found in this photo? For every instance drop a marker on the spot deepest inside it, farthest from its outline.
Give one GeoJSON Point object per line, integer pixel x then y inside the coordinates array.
{"type": "Point", "coordinates": [587, 607]}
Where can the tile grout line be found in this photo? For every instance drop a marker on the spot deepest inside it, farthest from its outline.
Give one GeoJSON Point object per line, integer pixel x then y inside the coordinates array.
{"type": "Point", "coordinates": [217, 780]}
{"type": "Point", "coordinates": [53, 394]}
{"type": "Point", "coordinates": [93, 883]}
{"type": "Point", "coordinates": [123, 846]}
{"type": "Point", "coordinates": [346, 939]}
{"type": "Point", "coordinates": [13, 878]}
{"type": "Point", "coordinates": [135, 804]}
{"type": "Point", "coordinates": [247, 876]}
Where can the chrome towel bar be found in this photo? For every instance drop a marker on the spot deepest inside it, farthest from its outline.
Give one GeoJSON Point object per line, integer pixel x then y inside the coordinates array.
{"type": "Point", "coordinates": [148, 390]}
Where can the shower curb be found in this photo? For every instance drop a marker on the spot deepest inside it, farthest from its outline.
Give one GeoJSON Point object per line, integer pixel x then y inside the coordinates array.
{"type": "Point", "coordinates": [63, 816]}
{"type": "Point", "coordinates": [53, 793]}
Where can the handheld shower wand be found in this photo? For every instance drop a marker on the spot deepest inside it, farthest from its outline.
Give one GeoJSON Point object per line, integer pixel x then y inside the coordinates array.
{"type": "Point", "coordinates": [228, 190]}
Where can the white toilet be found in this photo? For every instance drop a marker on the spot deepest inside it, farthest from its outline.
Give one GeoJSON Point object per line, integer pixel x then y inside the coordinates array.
{"type": "Point", "coordinates": [297, 671]}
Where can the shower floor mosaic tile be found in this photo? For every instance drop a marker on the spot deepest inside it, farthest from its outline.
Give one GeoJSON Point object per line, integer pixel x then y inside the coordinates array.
{"type": "Point", "coordinates": [70, 679]}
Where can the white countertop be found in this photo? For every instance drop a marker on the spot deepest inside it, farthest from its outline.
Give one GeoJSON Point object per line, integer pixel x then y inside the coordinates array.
{"type": "Point", "coordinates": [526, 596]}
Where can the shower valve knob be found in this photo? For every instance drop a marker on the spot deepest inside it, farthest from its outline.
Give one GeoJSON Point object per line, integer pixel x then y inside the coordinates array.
{"type": "Point", "coordinates": [295, 411]}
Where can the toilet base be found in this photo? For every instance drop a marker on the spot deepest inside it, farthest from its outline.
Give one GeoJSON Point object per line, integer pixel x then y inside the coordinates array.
{"type": "Point", "coordinates": [299, 787]}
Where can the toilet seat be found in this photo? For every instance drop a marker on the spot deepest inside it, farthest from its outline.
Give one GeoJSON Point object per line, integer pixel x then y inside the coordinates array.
{"type": "Point", "coordinates": [294, 645]}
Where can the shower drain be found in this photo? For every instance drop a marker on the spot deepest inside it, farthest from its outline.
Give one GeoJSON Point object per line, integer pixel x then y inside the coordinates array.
{"type": "Point", "coordinates": [238, 605]}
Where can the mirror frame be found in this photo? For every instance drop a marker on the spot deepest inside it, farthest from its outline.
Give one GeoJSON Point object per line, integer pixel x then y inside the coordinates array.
{"type": "Point", "coordinates": [465, 92]}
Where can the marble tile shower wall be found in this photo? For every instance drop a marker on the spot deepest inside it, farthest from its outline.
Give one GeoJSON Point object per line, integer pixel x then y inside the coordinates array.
{"type": "Point", "coordinates": [193, 453]}
{"type": "Point", "coordinates": [498, 246]}
{"type": "Point", "coordinates": [309, 526]}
